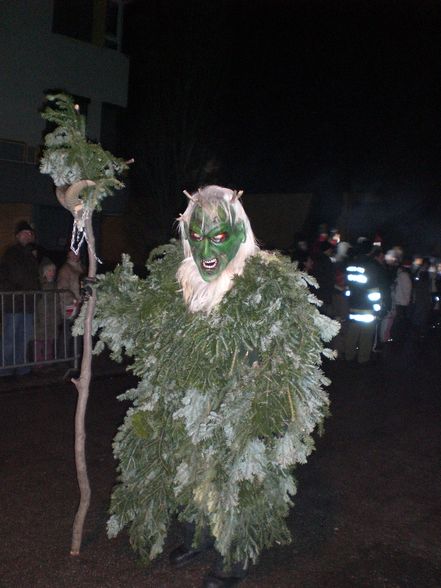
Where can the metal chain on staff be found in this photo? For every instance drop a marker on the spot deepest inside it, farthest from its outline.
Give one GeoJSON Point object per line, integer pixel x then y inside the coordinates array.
{"type": "Point", "coordinates": [79, 230]}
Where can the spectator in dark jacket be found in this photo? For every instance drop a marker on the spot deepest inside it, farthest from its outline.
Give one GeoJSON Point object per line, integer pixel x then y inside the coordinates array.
{"type": "Point", "coordinates": [324, 273]}
{"type": "Point", "coordinates": [422, 299]}
{"type": "Point", "coordinates": [18, 273]}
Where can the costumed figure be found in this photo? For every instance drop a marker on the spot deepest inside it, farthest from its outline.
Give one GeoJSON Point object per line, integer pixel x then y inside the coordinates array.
{"type": "Point", "coordinates": [227, 343]}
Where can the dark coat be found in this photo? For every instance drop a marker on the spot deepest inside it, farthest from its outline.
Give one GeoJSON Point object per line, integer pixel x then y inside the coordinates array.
{"type": "Point", "coordinates": [18, 272]}
{"type": "Point", "coordinates": [324, 273]}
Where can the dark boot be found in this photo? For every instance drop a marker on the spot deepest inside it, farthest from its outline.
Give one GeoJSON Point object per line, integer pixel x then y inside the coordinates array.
{"type": "Point", "coordinates": [212, 581]}
{"type": "Point", "coordinates": [181, 556]}
{"type": "Point", "coordinates": [221, 578]}
{"type": "Point", "coordinates": [186, 553]}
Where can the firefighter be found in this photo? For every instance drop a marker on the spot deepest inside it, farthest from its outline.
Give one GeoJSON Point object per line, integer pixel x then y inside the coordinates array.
{"type": "Point", "coordinates": [365, 304]}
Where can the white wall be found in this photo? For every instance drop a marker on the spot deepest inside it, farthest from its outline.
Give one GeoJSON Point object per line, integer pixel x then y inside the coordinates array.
{"type": "Point", "coordinates": [33, 60]}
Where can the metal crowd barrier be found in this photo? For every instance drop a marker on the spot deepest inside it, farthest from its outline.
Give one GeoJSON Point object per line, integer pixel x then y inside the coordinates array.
{"type": "Point", "coordinates": [35, 331]}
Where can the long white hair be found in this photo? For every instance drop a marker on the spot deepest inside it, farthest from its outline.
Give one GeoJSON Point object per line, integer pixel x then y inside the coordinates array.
{"type": "Point", "coordinates": [200, 295]}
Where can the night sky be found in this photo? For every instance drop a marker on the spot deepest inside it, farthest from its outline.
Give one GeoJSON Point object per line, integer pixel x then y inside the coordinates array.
{"type": "Point", "coordinates": [292, 96]}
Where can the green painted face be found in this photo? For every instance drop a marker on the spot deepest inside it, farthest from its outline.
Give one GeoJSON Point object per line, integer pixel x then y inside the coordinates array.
{"type": "Point", "coordinates": [214, 241]}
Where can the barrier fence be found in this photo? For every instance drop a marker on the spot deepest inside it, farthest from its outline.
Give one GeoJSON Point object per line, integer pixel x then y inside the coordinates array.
{"type": "Point", "coordinates": [36, 330]}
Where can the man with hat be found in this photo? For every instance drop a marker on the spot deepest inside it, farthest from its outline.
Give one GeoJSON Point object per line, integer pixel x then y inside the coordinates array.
{"type": "Point", "coordinates": [18, 273]}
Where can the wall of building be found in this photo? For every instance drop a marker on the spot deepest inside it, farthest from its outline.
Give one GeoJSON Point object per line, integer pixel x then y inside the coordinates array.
{"type": "Point", "coordinates": [34, 60]}
{"type": "Point", "coordinates": [275, 218]}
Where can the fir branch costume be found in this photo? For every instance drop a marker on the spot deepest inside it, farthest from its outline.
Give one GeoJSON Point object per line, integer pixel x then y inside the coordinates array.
{"type": "Point", "coordinates": [226, 403]}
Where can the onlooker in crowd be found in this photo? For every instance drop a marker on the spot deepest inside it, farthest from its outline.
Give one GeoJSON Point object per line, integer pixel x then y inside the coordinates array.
{"type": "Point", "coordinates": [422, 299]}
{"type": "Point", "coordinates": [334, 236]}
{"type": "Point", "coordinates": [299, 252]}
{"type": "Point", "coordinates": [340, 257]}
{"type": "Point", "coordinates": [340, 300]}
{"type": "Point", "coordinates": [401, 299]}
{"type": "Point", "coordinates": [304, 261]}
{"type": "Point", "coordinates": [436, 296]}
{"type": "Point", "coordinates": [69, 276]}
{"type": "Point", "coordinates": [342, 251]}
{"type": "Point", "coordinates": [322, 235]}
{"type": "Point", "coordinates": [48, 317]}
{"type": "Point", "coordinates": [391, 263]}
{"type": "Point", "coordinates": [384, 279]}
{"type": "Point", "coordinates": [324, 272]}
{"type": "Point", "coordinates": [69, 280]}
{"type": "Point", "coordinates": [398, 252]}
{"type": "Point", "coordinates": [18, 273]}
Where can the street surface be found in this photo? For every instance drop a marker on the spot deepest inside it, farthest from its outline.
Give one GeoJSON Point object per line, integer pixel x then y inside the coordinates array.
{"type": "Point", "coordinates": [367, 512]}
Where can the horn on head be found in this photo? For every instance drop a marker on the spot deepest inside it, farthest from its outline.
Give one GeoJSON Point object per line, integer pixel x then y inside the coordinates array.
{"type": "Point", "coordinates": [236, 195]}
{"type": "Point", "coordinates": [189, 196]}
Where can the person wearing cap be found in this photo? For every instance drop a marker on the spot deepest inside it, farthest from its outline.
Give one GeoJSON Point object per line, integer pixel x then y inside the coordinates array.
{"type": "Point", "coordinates": [18, 274]}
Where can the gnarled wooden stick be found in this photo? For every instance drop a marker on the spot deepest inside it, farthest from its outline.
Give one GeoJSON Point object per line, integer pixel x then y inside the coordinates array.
{"type": "Point", "coordinates": [82, 385]}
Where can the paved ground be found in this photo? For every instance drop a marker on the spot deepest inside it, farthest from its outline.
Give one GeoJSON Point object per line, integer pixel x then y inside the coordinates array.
{"type": "Point", "coordinates": [367, 512]}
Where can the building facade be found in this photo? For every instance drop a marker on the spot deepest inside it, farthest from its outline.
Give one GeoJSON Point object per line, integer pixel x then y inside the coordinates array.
{"type": "Point", "coordinates": [46, 46]}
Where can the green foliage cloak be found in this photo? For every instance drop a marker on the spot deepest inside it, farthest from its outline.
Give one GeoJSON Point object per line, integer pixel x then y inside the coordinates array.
{"type": "Point", "coordinates": [225, 406]}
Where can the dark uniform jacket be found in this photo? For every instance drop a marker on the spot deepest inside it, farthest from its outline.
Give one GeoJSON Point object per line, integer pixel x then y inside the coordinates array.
{"type": "Point", "coordinates": [364, 289]}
